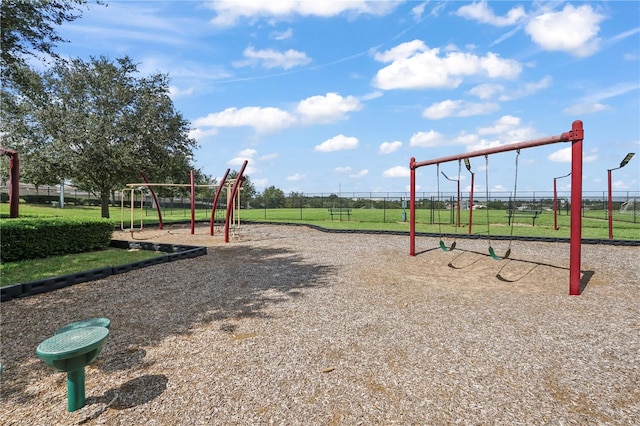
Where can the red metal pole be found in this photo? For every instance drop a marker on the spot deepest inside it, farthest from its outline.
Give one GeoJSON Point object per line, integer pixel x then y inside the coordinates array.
{"type": "Point", "coordinates": [610, 205]}
{"type": "Point", "coordinates": [193, 204]}
{"type": "Point", "coordinates": [14, 177]}
{"type": "Point", "coordinates": [155, 199]}
{"type": "Point", "coordinates": [565, 137]}
{"type": "Point", "coordinates": [576, 137]}
{"type": "Point", "coordinates": [555, 205]}
{"type": "Point", "coordinates": [458, 222]}
{"type": "Point", "coordinates": [471, 203]}
{"type": "Point", "coordinates": [412, 207]}
{"type": "Point", "coordinates": [14, 181]}
{"type": "Point", "coordinates": [215, 201]}
{"type": "Point", "coordinates": [234, 192]}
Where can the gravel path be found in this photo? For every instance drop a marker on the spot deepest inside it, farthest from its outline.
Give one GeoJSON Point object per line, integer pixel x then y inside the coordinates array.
{"type": "Point", "coordinates": [287, 325]}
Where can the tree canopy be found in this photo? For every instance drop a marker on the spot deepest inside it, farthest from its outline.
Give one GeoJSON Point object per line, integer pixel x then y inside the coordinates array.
{"type": "Point", "coordinates": [99, 124]}
{"type": "Point", "coordinates": [273, 197]}
{"type": "Point", "coordinates": [28, 28]}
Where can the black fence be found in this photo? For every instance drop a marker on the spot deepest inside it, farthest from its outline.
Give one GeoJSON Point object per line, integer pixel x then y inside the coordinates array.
{"type": "Point", "coordinates": [625, 204]}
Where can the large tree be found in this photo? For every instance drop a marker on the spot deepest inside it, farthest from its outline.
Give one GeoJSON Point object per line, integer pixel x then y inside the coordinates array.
{"type": "Point", "coordinates": [100, 125]}
{"type": "Point", "coordinates": [273, 197]}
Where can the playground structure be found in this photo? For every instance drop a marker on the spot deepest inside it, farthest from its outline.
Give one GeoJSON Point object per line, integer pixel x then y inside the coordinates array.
{"type": "Point", "coordinates": [14, 181]}
{"type": "Point", "coordinates": [232, 217]}
{"type": "Point", "coordinates": [575, 136]}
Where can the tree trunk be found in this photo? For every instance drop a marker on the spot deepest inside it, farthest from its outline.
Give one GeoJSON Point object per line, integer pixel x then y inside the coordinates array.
{"type": "Point", "coordinates": [104, 202]}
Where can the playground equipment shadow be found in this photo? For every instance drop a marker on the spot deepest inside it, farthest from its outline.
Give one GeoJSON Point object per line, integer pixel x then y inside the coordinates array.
{"type": "Point", "coordinates": [173, 252]}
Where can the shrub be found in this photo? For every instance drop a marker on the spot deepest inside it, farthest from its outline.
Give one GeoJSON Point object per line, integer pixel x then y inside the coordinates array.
{"type": "Point", "coordinates": [22, 239]}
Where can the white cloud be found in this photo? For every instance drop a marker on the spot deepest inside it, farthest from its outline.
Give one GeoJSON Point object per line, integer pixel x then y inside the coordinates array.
{"type": "Point", "coordinates": [501, 125]}
{"type": "Point", "coordinates": [263, 120]}
{"type": "Point", "coordinates": [270, 58]}
{"type": "Point", "coordinates": [397, 172]}
{"type": "Point", "coordinates": [251, 156]}
{"type": "Point", "coordinates": [229, 12]}
{"type": "Point", "coordinates": [190, 70]}
{"type": "Point", "coordinates": [296, 178]}
{"type": "Point", "coordinates": [564, 156]}
{"type": "Point", "coordinates": [248, 153]}
{"type": "Point", "coordinates": [239, 161]}
{"type": "Point", "coordinates": [487, 90]}
{"type": "Point", "coordinates": [458, 108]}
{"type": "Point", "coordinates": [199, 134]}
{"type": "Point", "coordinates": [527, 89]}
{"type": "Point", "coordinates": [622, 185]}
{"type": "Point", "coordinates": [360, 174]}
{"type": "Point", "coordinates": [414, 66]}
{"type": "Point", "coordinates": [268, 157]}
{"type": "Point", "coordinates": [342, 169]}
{"type": "Point", "coordinates": [260, 183]}
{"type": "Point", "coordinates": [505, 130]}
{"type": "Point", "coordinates": [573, 30]}
{"type": "Point", "coordinates": [466, 139]}
{"type": "Point", "coordinates": [592, 102]}
{"type": "Point", "coordinates": [426, 139]}
{"type": "Point", "coordinates": [282, 35]}
{"type": "Point", "coordinates": [338, 143]}
{"type": "Point", "coordinates": [372, 95]}
{"type": "Point", "coordinates": [418, 10]}
{"type": "Point", "coordinates": [175, 92]}
{"type": "Point", "coordinates": [328, 108]}
{"type": "Point", "coordinates": [389, 147]}
{"type": "Point", "coordinates": [585, 108]}
{"type": "Point", "coordinates": [479, 11]}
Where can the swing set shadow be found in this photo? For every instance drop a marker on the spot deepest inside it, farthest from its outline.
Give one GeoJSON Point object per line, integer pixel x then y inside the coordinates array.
{"type": "Point", "coordinates": [585, 276]}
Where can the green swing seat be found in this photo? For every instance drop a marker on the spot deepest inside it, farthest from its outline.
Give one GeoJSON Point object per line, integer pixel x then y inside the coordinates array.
{"type": "Point", "coordinates": [444, 247]}
{"type": "Point", "coordinates": [494, 256]}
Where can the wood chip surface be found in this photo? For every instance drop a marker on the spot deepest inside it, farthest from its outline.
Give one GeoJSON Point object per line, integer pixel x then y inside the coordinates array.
{"type": "Point", "coordinates": [287, 325]}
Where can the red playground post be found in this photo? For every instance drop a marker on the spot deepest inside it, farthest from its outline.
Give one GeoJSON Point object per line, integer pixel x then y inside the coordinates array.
{"type": "Point", "coordinates": [215, 201]}
{"type": "Point", "coordinates": [14, 181]}
{"type": "Point", "coordinates": [234, 193]}
{"type": "Point", "coordinates": [155, 200]}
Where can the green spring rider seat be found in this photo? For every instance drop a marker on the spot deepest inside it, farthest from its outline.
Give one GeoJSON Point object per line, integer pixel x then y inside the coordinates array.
{"type": "Point", "coordinates": [71, 351]}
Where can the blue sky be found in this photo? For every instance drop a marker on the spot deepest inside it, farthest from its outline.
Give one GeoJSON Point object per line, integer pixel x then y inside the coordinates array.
{"type": "Point", "coordinates": [328, 96]}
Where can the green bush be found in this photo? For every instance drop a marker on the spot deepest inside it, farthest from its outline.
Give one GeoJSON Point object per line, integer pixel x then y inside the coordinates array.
{"type": "Point", "coordinates": [22, 239]}
{"type": "Point", "coordinates": [40, 199]}
{"type": "Point", "coordinates": [49, 199]}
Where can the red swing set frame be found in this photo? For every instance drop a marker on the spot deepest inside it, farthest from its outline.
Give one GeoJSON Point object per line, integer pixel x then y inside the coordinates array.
{"type": "Point", "coordinates": [576, 137]}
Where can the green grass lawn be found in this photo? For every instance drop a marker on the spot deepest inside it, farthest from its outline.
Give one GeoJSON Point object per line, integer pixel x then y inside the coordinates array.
{"type": "Point", "coordinates": [370, 219]}
{"type": "Point", "coordinates": [391, 219]}
{"type": "Point", "coordinates": [54, 266]}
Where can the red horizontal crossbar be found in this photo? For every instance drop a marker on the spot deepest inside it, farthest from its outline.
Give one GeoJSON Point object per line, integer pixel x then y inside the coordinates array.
{"type": "Point", "coordinates": [565, 137]}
